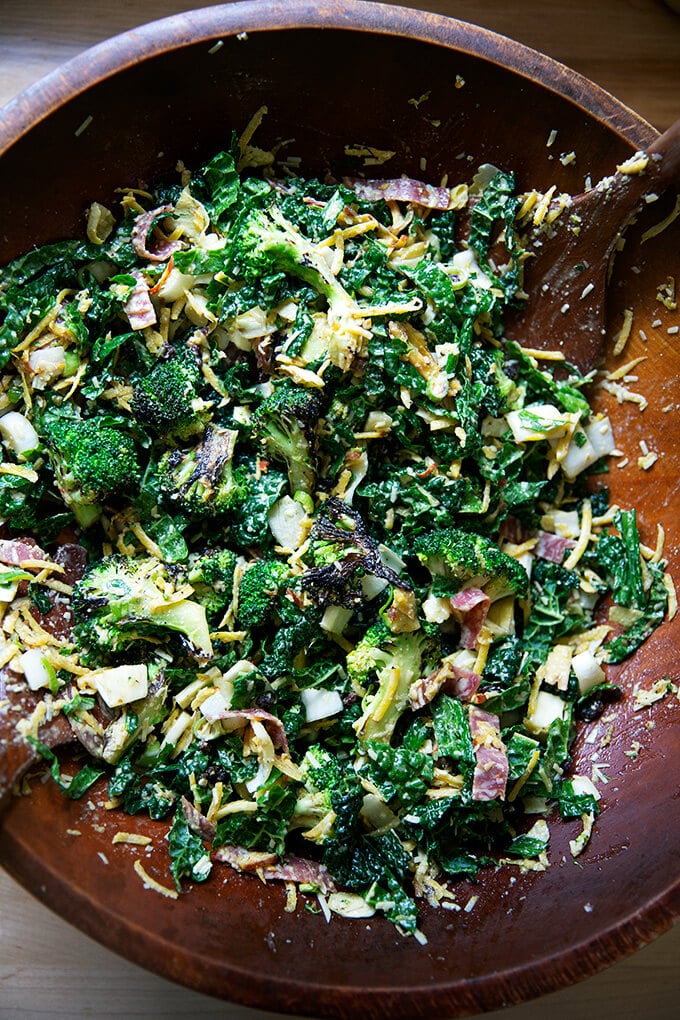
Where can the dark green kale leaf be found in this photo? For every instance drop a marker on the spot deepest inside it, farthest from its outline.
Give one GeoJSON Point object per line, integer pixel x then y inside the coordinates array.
{"type": "Point", "coordinates": [251, 526]}
{"type": "Point", "coordinates": [651, 617]}
{"type": "Point", "coordinates": [75, 787]}
{"type": "Point", "coordinates": [572, 804]}
{"type": "Point", "coordinates": [620, 556]}
{"type": "Point", "coordinates": [398, 772]}
{"type": "Point", "coordinates": [452, 730]}
{"type": "Point", "coordinates": [188, 856]}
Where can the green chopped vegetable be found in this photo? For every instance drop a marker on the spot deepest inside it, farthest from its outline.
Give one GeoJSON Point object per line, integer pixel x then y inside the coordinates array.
{"type": "Point", "coordinates": [344, 572]}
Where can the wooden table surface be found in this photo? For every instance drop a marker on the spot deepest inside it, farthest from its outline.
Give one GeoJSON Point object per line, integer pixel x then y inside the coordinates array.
{"type": "Point", "coordinates": [631, 48]}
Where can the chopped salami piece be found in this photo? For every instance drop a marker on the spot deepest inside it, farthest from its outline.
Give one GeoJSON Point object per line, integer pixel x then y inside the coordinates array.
{"type": "Point", "coordinates": [472, 604]}
{"type": "Point", "coordinates": [301, 871]}
{"type": "Point", "coordinates": [291, 869]}
{"type": "Point", "coordinates": [241, 859]}
{"type": "Point", "coordinates": [463, 684]}
{"type": "Point", "coordinates": [138, 307]}
{"type": "Point", "coordinates": [454, 680]}
{"type": "Point", "coordinates": [491, 767]}
{"type": "Point", "coordinates": [197, 822]}
{"type": "Point", "coordinates": [15, 551]}
{"type": "Point", "coordinates": [552, 547]}
{"type": "Point", "coordinates": [401, 189]}
{"type": "Point", "coordinates": [73, 558]}
{"type": "Point", "coordinates": [140, 237]}
{"type": "Point", "coordinates": [513, 530]}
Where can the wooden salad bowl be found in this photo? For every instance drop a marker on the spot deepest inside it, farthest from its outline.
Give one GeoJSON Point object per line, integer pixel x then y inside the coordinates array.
{"type": "Point", "coordinates": [444, 96]}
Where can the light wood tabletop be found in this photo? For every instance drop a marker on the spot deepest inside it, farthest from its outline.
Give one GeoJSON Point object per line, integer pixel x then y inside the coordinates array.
{"type": "Point", "coordinates": [631, 48]}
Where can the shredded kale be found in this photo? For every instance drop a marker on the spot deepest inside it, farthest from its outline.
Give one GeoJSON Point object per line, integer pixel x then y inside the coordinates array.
{"type": "Point", "coordinates": [331, 602]}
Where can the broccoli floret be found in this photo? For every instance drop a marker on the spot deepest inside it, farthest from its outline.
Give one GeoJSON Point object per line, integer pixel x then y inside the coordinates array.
{"type": "Point", "coordinates": [267, 240]}
{"type": "Point", "coordinates": [121, 600]}
{"type": "Point", "coordinates": [168, 401]}
{"type": "Point", "coordinates": [91, 462]}
{"type": "Point", "coordinates": [343, 553]}
{"type": "Point", "coordinates": [259, 590]}
{"type": "Point", "coordinates": [203, 481]}
{"type": "Point", "coordinates": [473, 561]}
{"type": "Point", "coordinates": [284, 422]}
{"type": "Point", "coordinates": [395, 660]}
{"type": "Point", "coordinates": [331, 793]}
{"type": "Point", "coordinates": [211, 575]}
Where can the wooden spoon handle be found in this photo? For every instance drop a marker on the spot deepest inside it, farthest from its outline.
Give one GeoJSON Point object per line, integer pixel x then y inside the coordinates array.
{"type": "Point", "coordinates": [667, 146]}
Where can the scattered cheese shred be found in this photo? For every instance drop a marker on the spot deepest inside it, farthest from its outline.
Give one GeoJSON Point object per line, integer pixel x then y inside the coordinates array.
{"type": "Point", "coordinates": [578, 845]}
{"type": "Point", "coordinates": [583, 538]}
{"type": "Point", "coordinates": [624, 333]}
{"type": "Point", "coordinates": [151, 883]}
{"type": "Point", "coordinates": [660, 227]}
{"type": "Point", "coordinates": [134, 838]}
{"type": "Point", "coordinates": [672, 596]}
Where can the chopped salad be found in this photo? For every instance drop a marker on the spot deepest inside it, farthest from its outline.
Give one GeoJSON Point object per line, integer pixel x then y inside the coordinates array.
{"type": "Point", "coordinates": [348, 577]}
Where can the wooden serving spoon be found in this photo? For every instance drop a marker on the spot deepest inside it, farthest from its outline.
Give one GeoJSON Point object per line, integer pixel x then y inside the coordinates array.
{"type": "Point", "coordinates": [566, 276]}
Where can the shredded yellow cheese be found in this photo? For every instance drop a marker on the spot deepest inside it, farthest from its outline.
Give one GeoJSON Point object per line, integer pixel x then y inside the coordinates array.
{"type": "Point", "coordinates": [583, 538]}
{"type": "Point", "coordinates": [133, 838]}
{"type": "Point", "coordinates": [624, 333]}
{"type": "Point", "coordinates": [150, 883]}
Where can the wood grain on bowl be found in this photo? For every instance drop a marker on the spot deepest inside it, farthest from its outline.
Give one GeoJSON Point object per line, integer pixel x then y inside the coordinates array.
{"type": "Point", "coordinates": [509, 947]}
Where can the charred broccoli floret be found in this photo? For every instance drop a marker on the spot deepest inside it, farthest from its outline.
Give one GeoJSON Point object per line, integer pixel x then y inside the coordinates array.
{"type": "Point", "coordinates": [91, 462]}
{"type": "Point", "coordinates": [168, 400]}
{"type": "Point", "coordinates": [395, 661]}
{"type": "Point", "coordinates": [211, 575]}
{"type": "Point", "coordinates": [284, 423]}
{"type": "Point", "coordinates": [203, 481]}
{"type": "Point", "coordinates": [266, 238]}
{"type": "Point", "coordinates": [472, 561]}
{"type": "Point", "coordinates": [343, 553]}
{"type": "Point", "coordinates": [259, 591]}
{"type": "Point", "coordinates": [121, 600]}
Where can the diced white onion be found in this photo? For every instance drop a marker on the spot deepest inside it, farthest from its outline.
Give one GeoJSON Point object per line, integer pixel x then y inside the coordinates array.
{"type": "Point", "coordinates": [214, 707]}
{"type": "Point", "coordinates": [436, 610]}
{"type": "Point", "coordinates": [175, 285]}
{"type": "Point", "coordinates": [358, 469]}
{"type": "Point", "coordinates": [18, 433]}
{"type": "Point", "coordinates": [8, 590]}
{"type": "Point", "coordinates": [588, 671]}
{"type": "Point", "coordinates": [47, 364]}
{"type": "Point", "coordinates": [36, 670]}
{"type": "Point", "coordinates": [372, 586]}
{"type": "Point", "coordinates": [596, 441]}
{"type": "Point", "coordinates": [335, 619]}
{"type": "Point", "coordinates": [600, 435]}
{"type": "Point", "coordinates": [320, 704]}
{"type": "Point", "coordinates": [547, 708]}
{"type": "Point", "coordinates": [120, 685]}
{"type": "Point", "coordinates": [239, 668]}
{"type": "Point", "coordinates": [390, 558]}
{"type": "Point", "coordinates": [581, 785]}
{"type": "Point", "coordinates": [536, 422]}
{"type": "Point", "coordinates": [287, 523]}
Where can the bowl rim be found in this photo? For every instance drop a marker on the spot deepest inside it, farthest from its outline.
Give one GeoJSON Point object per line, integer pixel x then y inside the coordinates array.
{"type": "Point", "coordinates": [204, 24]}
{"type": "Point", "coordinates": [178, 31]}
